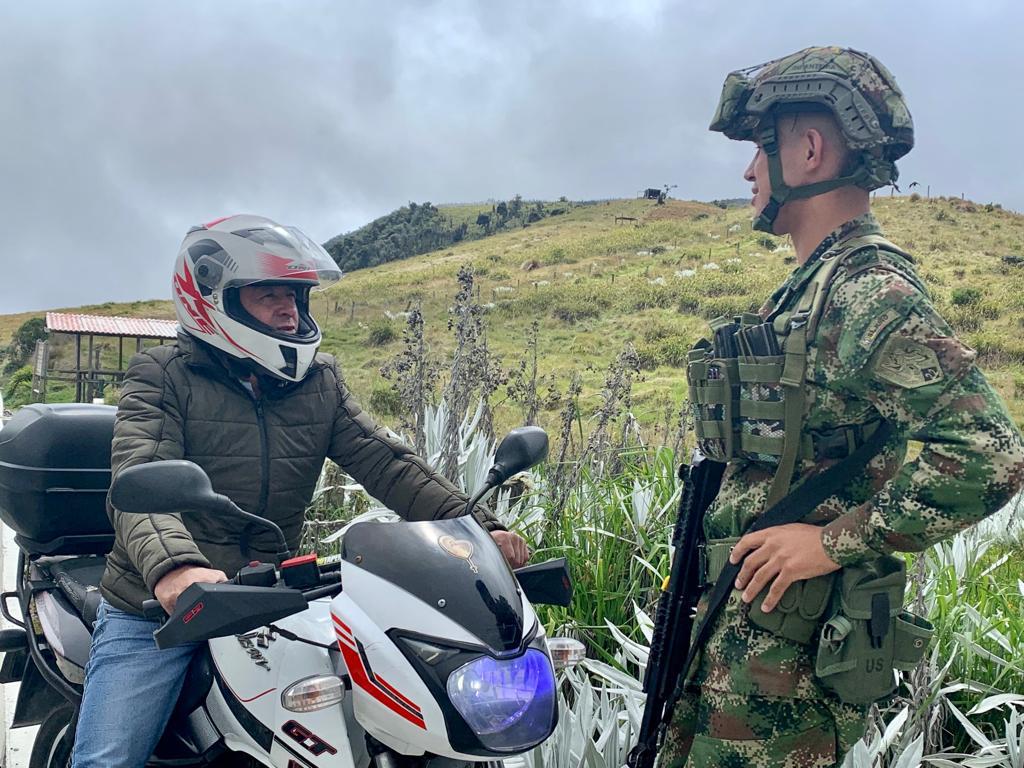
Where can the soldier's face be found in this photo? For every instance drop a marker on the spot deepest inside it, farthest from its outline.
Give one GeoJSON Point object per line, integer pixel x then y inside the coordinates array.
{"type": "Point", "coordinates": [757, 175]}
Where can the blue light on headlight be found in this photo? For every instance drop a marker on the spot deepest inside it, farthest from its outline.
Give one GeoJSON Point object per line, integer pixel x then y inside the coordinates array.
{"type": "Point", "coordinates": [510, 703]}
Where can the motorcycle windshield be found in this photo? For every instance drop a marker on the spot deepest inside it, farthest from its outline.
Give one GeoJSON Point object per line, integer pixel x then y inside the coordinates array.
{"type": "Point", "coordinates": [451, 564]}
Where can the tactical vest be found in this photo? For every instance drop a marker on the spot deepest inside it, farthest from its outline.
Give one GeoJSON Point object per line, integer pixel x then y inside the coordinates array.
{"type": "Point", "coordinates": [747, 387]}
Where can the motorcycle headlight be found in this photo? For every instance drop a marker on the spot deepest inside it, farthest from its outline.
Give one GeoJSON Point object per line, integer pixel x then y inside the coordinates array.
{"type": "Point", "coordinates": [509, 703]}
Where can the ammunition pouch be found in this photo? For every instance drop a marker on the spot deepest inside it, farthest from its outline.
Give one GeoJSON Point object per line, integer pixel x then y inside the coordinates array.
{"type": "Point", "coordinates": [797, 617]}
{"type": "Point", "coordinates": [740, 409]}
{"type": "Point", "coordinates": [868, 635]}
{"type": "Point", "coordinates": [761, 411]}
{"type": "Point", "coordinates": [714, 398]}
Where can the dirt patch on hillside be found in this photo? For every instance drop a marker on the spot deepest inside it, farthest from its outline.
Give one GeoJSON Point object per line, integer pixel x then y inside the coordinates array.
{"type": "Point", "coordinates": [680, 209]}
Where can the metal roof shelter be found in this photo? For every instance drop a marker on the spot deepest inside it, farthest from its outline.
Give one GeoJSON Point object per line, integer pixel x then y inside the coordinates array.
{"type": "Point", "coordinates": [91, 379]}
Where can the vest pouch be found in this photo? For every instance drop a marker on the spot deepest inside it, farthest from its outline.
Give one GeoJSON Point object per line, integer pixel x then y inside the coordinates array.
{"type": "Point", "coordinates": [713, 401]}
{"type": "Point", "coordinates": [761, 409]}
{"type": "Point", "coordinates": [913, 635]}
{"type": "Point", "coordinates": [857, 647]}
{"type": "Point", "coordinates": [797, 617]}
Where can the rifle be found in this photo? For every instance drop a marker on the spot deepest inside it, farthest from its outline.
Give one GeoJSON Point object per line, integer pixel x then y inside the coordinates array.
{"type": "Point", "coordinates": [673, 624]}
{"type": "Point", "coordinates": [672, 651]}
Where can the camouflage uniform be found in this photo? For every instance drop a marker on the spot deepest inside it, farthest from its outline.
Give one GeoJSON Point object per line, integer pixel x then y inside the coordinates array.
{"type": "Point", "coordinates": [880, 350]}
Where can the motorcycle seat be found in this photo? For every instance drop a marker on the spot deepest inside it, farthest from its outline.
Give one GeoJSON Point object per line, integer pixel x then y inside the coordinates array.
{"type": "Point", "coordinates": [78, 578]}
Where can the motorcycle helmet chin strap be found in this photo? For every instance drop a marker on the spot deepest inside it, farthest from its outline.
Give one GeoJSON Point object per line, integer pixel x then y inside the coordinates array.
{"type": "Point", "coordinates": [782, 192]}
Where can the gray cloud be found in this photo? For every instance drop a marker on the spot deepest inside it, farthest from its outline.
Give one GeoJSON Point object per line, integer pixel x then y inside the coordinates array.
{"type": "Point", "coordinates": [124, 123]}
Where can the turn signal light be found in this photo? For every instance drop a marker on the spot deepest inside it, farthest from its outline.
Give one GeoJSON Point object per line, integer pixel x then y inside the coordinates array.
{"type": "Point", "coordinates": [313, 693]}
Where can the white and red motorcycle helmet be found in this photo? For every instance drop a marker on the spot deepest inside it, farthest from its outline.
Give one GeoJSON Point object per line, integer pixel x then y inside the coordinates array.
{"type": "Point", "coordinates": [218, 258]}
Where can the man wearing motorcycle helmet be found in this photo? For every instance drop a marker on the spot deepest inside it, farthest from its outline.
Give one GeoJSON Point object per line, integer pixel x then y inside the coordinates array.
{"type": "Point", "coordinates": [244, 394]}
{"type": "Point", "coordinates": [863, 352]}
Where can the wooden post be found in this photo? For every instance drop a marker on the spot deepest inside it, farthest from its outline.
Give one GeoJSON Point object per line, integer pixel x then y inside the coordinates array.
{"type": "Point", "coordinates": [78, 367]}
{"type": "Point", "coordinates": [352, 311]}
{"type": "Point", "coordinates": [120, 353]}
{"type": "Point", "coordinates": [88, 389]}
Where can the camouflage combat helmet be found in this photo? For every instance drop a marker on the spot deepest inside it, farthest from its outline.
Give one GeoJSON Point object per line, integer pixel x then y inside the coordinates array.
{"type": "Point", "coordinates": [854, 87]}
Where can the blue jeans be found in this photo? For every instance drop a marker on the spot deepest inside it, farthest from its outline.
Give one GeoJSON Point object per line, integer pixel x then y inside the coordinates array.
{"type": "Point", "coordinates": [131, 688]}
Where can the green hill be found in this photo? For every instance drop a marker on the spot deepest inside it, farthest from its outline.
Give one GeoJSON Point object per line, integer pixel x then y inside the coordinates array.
{"type": "Point", "coordinates": [419, 228]}
{"type": "Point", "coordinates": [603, 275]}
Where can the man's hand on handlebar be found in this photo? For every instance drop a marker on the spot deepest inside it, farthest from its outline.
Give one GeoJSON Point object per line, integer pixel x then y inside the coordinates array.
{"type": "Point", "coordinates": [513, 547]}
{"type": "Point", "coordinates": [177, 581]}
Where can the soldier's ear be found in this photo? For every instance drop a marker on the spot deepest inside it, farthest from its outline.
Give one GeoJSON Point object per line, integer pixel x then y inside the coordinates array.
{"type": "Point", "coordinates": [814, 148]}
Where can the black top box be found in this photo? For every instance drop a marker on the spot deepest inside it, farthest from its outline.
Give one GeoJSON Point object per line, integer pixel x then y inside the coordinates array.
{"type": "Point", "coordinates": [54, 476]}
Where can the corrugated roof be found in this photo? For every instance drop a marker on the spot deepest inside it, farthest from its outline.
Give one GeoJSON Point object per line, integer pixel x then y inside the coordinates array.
{"type": "Point", "coordinates": [101, 325]}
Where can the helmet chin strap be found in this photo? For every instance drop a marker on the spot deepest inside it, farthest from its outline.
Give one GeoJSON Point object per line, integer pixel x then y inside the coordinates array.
{"type": "Point", "coordinates": [782, 193]}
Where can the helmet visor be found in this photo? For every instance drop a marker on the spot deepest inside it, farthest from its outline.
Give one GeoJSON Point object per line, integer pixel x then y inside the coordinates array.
{"type": "Point", "coordinates": [286, 255]}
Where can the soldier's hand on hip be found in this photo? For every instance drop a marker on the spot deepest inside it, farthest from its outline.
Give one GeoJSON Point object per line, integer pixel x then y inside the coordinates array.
{"type": "Point", "coordinates": [785, 553]}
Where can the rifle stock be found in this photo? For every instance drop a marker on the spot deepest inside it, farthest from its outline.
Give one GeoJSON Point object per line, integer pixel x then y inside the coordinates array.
{"type": "Point", "coordinates": [673, 623]}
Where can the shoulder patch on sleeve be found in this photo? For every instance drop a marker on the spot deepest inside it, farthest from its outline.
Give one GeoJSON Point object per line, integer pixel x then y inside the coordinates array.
{"type": "Point", "coordinates": [875, 328]}
{"type": "Point", "coordinates": [907, 363]}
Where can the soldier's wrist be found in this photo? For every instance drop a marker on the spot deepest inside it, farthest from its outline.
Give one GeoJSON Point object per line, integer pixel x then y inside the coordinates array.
{"type": "Point", "coordinates": [844, 539]}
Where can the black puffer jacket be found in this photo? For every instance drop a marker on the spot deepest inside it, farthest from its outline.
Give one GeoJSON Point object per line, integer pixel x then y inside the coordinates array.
{"type": "Point", "coordinates": [179, 401]}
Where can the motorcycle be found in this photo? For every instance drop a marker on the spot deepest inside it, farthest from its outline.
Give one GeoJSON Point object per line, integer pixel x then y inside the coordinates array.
{"type": "Point", "coordinates": [418, 647]}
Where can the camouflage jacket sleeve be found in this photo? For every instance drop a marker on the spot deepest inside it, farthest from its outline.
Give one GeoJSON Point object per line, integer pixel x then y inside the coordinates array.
{"type": "Point", "coordinates": [896, 353]}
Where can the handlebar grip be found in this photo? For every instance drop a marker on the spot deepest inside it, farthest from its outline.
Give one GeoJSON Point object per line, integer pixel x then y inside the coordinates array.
{"type": "Point", "coordinates": [152, 609]}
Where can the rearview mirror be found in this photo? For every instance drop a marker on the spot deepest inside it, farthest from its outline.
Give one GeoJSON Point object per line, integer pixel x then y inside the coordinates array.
{"type": "Point", "coordinates": [162, 487]}
{"type": "Point", "coordinates": [521, 449]}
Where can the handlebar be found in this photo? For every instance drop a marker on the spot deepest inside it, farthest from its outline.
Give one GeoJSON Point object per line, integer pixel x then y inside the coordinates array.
{"type": "Point", "coordinates": [329, 585]}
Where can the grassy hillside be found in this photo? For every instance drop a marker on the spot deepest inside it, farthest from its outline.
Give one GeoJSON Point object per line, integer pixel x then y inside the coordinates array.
{"type": "Point", "coordinates": [594, 284]}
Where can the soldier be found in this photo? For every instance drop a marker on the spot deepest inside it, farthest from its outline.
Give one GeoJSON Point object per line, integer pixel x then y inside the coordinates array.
{"type": "Point", "coordinates": [860, 347]}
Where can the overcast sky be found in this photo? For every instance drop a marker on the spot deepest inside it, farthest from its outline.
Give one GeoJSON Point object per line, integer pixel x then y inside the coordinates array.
{"type": "Point", "coordinates": [124, 123]}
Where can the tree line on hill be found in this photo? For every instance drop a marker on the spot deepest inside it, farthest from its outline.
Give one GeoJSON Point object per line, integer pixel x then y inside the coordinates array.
{"type": "Point", "coordinates": [419, 228]}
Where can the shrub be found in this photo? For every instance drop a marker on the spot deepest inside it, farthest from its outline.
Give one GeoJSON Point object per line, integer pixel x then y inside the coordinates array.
{"type": "Point", "coordinates": [23, 343]}
{"type": "Point", "coordinates": [573, 311]}
{"type": "Point", "coordinates": [386, 401]}
{"type": "Point", "coordinates": [19, 387]}
{"type": "Point", "coordinates": [381, 333]}
{"type": "Point", "coordinates": [768, 242]}
{"type": "Point", "coordinates": [672, 351]}
{"type": "Point", "coordinates": [647, 357]}
{"type": "Point", "coordinates": [964, 296]}
{"type": "Point", "coordinates": [555, 256]}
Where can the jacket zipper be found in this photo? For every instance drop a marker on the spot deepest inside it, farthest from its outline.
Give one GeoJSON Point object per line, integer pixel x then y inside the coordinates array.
{"type": "Point", "coordinates": [264, 459]}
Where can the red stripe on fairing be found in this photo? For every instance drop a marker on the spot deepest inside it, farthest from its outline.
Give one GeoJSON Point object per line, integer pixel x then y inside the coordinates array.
{"type": "Point", "coordinates": [269, 690]}
{"type": "Point", "coordinates": [215, 222]}
{"type": "Point", "coordinates": [361, 677]}
{"type": "Point", "coordinates": [232, 690]}
{"type": "Point", "coordinates": [396, 692]}
{"type": "Point", "coordinates": [342, 629]}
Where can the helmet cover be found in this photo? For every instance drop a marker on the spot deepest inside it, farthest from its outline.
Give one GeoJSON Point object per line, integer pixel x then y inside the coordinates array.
{"type": "Point", "coordinates": [859, 92]}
